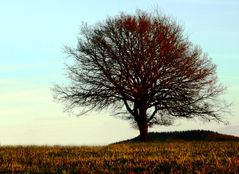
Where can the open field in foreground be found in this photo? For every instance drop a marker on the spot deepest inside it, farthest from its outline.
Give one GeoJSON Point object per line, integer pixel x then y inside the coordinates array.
{"type": "Point", "coordinates": [162, 157]}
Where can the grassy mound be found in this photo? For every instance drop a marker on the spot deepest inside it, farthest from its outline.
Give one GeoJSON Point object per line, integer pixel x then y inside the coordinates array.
{"type": "Point", "coordinates": [191, 135]}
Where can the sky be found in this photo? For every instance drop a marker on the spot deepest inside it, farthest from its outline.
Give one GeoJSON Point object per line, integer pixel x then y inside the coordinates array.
{"type": "Point", "coordinates": [33, 34]}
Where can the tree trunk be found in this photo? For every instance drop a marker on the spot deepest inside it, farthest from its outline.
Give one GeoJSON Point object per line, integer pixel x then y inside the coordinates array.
{"type": "Point", "coordinates": [143, 130]}
{"type": "Point", "coordinates": [141, 119]}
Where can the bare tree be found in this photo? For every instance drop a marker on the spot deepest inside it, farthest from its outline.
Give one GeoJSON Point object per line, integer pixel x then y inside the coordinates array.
{"type": "Point", "coordinates": [142, 64]}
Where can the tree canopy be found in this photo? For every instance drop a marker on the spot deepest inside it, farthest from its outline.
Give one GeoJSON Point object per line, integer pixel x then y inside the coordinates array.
{"type": "Point", "coordinates": [143, 64]}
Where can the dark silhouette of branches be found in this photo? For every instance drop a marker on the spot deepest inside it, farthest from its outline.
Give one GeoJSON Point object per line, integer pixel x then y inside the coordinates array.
{"type": "Point", "coordinates": [144, 64]}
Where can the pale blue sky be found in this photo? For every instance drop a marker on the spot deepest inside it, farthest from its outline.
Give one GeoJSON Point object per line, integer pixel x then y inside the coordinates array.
{"type": "Point", "coordinates": [33, 33]}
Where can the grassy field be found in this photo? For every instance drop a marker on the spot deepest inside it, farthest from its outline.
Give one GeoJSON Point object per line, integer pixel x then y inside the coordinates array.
{"type": "Point", "coordinates": [160, 157]}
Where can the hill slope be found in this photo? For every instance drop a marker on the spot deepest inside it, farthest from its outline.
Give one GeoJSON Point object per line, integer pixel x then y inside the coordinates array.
{"type": "Point", "coordinates": [192, 135]}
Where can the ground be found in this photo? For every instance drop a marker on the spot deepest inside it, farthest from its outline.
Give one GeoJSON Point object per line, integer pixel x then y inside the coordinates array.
{"type": "Point", "coordinates": [156, 157]}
